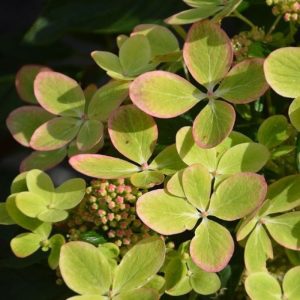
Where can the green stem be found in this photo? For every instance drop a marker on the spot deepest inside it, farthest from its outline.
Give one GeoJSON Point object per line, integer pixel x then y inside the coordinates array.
{"type": "Point", "coordinates": [274, 25]}
{"type": "Point", "coordinates": [271, 109]}
{"type": "Point", "coordinates": [244, 19]}
{"type": "Point", "coordinates": [180, 30]}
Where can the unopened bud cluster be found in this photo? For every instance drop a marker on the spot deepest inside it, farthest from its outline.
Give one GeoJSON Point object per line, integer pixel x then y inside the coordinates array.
{"type": "Point", "coordinates": [290, 9]}
{"type": "Point", "coordinates": [109, 208]}
{"type": "Point", "coordinates": [242, 42]}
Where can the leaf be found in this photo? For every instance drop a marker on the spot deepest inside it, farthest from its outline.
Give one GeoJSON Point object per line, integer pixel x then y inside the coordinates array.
{"type": "Point", "coordinates": [139, 264]}
{"type": "Point", "coordinates": [5, 218]}
{"type": "Point", "coordinates": [107, 61]}
{"type": "Point", "coordinates": [174, 185]}
{"type": "Point", "coordinates": [102, 166]}
{"type": "Point", "coordinates": [192, 15]}
{"type": "Point", "coordinates": [274, 131]}
{"type": "Point", "coordinates": [141, 293]}
{"type": "Point", "coordinates": [244, 83]}
{"type": "Point", "coordinates": [59, 94]}
{"type": "Point", "coordinates": [89, 135]}
{"type": "Point", "coordinates": [245, 157]}
{"type": "Point", "coordinates": [133, 65]}
{"type": "Point", "coordinates": [291, 284]}
{"type": "Point", "coordinates": [89, 92]}
{"type": "Point", "coordinates": [202, 282]}
{"type": "Point", "coordinates": [24, 81]}
{"type": "Point", "coordinates": [133, 133]}
{"type": "Point", "coordinates": [25, 244]}
{"type": "Point", "coordinates": [56, 241]}
{"type": "Point", "coordinates": [155, 35]}
{"type": "Point", "coordinates": [246, 225]}
{"type": "Point", "coordinates": [285, 229]}
{"type": "Point", "coordinates": [80, 258]}
{"type": "Point", "coordinates": [282, 71]}
{"type": "Point", "coordinates": [211, 238]}
{"type": "Point", "coordinates": [53, 215]}
{"type": "Point", "coordinates": [207, 53]}
{"type": "Point", "coordinates": [165, 213]}
{"type": "Point", "coordinates": [69, 194]}
{"type": "Point", "coordinates": [31, 204]}
{"type": "Point", "coordinates": [19, 184]}
{"type": "Point", "coordinates": [19, 218]}
{"type": "Point", "coordinates": [43, 160]}
{"type": "Point", "coordinates": [213, 124]}
{"type": "Point", "coordinates": [196, 182]}
{"type": "Point", "coordinates": [88, 297]}
{"type": "Point", "coordinates": [107, 99]}
{"type": "Point", "coordinates": [283, 195]}
{"type": "Point", "coordinates": [202, 3]}
{"type": "Point", "coordinates": [257, 251]}
{"type": "Point", "coordinates": [40, 183]}
{"type": "Point", "coordinates": [167, 161]}
{"type": "Point", "coordinates": [23, 121]}
{"type": "Point", "coordinates": [238, 196]}
{"type": "Point", "coordinates": [147, 179]}
{"type": "Point", "coordinates": [55, 133]}
{"type": "Point", "coordinates": [191, 153]}
{"type": "Point", "coordinates": [163, 94]}
{"type": "Point", "coordinates": [263, 286]}
{"type": "Point", "coordinates": [294, 113]}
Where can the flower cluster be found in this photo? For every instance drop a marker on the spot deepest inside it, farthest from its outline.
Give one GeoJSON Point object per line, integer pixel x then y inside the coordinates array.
{"type": "Point", "coordinates": [290, 9]}
{"type": "Point", "coordinates": [109, 208]}
{"type": "Point", "coordinates": [242, 42]}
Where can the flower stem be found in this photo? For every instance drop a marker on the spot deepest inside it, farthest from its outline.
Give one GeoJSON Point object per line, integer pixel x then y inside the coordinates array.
{"type": "Point", "coordinates": [274, 25]}
{"type": "Point", "coordinates": [244, 19]}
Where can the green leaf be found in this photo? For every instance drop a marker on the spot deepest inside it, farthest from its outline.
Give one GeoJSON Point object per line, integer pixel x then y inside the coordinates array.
{"type": "Point", "coordinates": [283, 195]}
{"type": "Point", "coordinates": [53, 215]}
{"type": "Point", "coordinates": [207, 53]}
{"type": "Point", "coordinates": [191, 153]}
{"type": "Point", "coordinates": [107, 61]}
{"type": "Point", "coordinates": [107, 99]}
{"type": "Point", "coordinates": [88, 297]}
{"type": "Point", "coordinates": [282, 151]}
{"type": "Point", "coordinates": [89, 135]}
{"type": "Point", "coordinates": [238, 196]}
{"type": "Point", "coordinates": [285, 229]}
{"type": "Point", "coordinates": [24, 81]}
{"type": "Point", "coordinates": [43, 160]}
{"type": "Point", "coordinates": [31, 204]}
{"type": "Point", "coordinates": [19, 218]}
{"type": "Point", "coordinates": [244, 83]}
{"type": "Point", "coordinates": [84, 268]}
{"type": "Point", "coordinates": [167, 161]}
{"type": "Point", "coordinates": [213, 124]}
{"type": "Point", "coordinates": [19, 184]}
{"type": "Point", "coordinates": [102, 166]}
{"type": "Point", "coordinates": [147, 179]}
{"type": "Point", "coordinates": [211, 238]}
{"type": "Point", "coordinates": [245, 157]}
{"type": "Point", "coordinates": [59, 94]}
{"type": "Point", "coordinates": [177, 280]}
{"type": "Point", "coordinates": [23, 121]}
{"type": "Point", "coordinates": [69, 194]}
{"type": "Point", "coordinates": [133, 65]}
{"type": "Point", "coordinates": [202, 282]}
{"type": "Point", "coordinates": [157, 283]}
{"type": "Point", "coordinates": [258, 249]}
{"type": "Point", "coordinates": [40, 183]}
{"type": "Point", "coordinates": [55, 133]}
{"type": "Point", "coordinates": [139, 264]}
{"type": "Point", "coordinates": [196, 182]}
{"type": "Point", "coordinates": [73, 150]}
{"type": "Point", "coordinates": [282, 71]}
{"type": "Point", "coordinates": [56, 242]}
{"type": "Point", "coordinates": [203, 3]}
{"type": "Point", "coordinates": [5, 218]}
{"type": "Point", "coordinates": [25, 244]}
{"type": "Point", "coordinates": [192, 15]}
{"type": "Point", "coordinates": [133, 133]}
{"type": "Point", "coordinates": [246, 225]}
{"type": "Point", "coordinates": [138, 294]}
{"type": "Point", "coordinates": [174, 185]}
{"type": "Point", "coordinates": [274, 131]}
{"type": "Point", "coordinates": [155, 35]}
{"type": "Point", "coordinates": [163, 94]}
{"type": "Point", "coordinates": [165, 213]}
{"type": "Point", "coordinates": [263, 286]}
{"type": "Point", "coordinates": [294, 113]}
{"type": "Point", "coordinates": [89, 91]}
{"type": "Point", "coordinates": [291, 284]}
